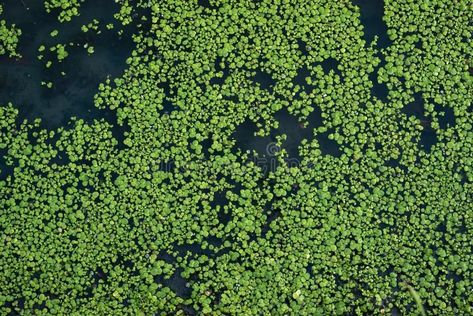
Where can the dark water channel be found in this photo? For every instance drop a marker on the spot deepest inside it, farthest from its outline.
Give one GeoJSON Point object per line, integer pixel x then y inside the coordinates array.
{"type": "Point", "coordinates": [372, 12]}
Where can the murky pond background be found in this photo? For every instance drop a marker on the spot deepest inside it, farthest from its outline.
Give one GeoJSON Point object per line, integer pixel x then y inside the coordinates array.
{"type": "Point", "coordinates": [72, 94]}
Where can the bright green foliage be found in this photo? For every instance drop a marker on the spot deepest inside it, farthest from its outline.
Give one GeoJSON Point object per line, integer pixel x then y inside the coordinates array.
{"type": "Point", "coordinates": [94, 25]}
{"type": "Point", "coordinates": [61, 52]}
{"type": "Point", "coordinates": [67, 8]}
{"type": "Point", "coordinates": [175, 216]}
{"type": "Point", "coordinates": [9, 36]}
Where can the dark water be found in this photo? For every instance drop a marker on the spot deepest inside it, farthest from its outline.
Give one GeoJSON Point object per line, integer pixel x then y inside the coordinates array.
{"type": "Point", "coordinates": [372, 12]}
{"type": "Point", "coordinates": [265, 149]}
{"type": "Point", "coordinates": [72, 94]}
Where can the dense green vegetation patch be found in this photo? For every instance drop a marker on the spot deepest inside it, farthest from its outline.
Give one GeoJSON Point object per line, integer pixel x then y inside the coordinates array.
{"type": "Point", "coordinates": [272, 162]}
{"type": "Point", "coordinates": [8, 37]}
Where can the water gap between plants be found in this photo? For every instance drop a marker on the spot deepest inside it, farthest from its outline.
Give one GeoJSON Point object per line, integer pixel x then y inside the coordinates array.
{"type": "Point", "coordinates": [75, 79]}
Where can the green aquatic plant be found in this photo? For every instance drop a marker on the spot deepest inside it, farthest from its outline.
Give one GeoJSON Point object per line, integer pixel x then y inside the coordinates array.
{"type": "Point", "coordinates": [9, 36]}
{"type": "Point", "coordinates": [90, 50]}
{"type": "Point", "coordinates": [416, 298]}
{"type": "Point", "coordinates": [61, 52]}
{"type": "Point", "coordinates": [67, 8]}
{"type": "Point", "coordinates": [249, 165]}
{"type": "Point", "coordinates": [94, 25]}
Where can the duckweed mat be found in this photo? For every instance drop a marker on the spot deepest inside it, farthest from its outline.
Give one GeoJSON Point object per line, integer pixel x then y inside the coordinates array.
{"type": "Point", "coordinates": [236, 157]}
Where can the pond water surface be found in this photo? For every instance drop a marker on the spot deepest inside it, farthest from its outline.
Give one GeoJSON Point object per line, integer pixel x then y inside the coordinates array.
{"type": "Point", "coordinates": [75, 80]}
